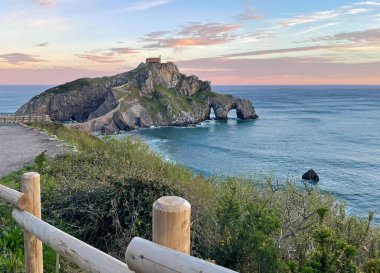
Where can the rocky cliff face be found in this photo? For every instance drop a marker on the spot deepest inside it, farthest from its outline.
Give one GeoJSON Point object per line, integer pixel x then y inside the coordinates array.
{"type": "Point", "coordinates": [150, 95]}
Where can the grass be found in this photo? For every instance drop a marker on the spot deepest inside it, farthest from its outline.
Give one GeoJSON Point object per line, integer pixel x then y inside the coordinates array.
{"type": "Point", "coordinates": [103, 195]}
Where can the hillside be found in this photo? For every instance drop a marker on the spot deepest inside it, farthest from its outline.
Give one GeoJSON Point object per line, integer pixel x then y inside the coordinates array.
{"type": "Point", "coordinates": [154, 94]}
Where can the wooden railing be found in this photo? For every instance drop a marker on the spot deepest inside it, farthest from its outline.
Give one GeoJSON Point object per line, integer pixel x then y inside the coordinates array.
{"type": "Point", "coordinates": [167, 254]}
{"type": "Point", "coordinates": [11, 118]}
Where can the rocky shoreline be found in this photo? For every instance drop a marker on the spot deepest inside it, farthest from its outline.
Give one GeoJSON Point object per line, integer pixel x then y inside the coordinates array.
{"type": "Point", "coordinates": [154, 94]}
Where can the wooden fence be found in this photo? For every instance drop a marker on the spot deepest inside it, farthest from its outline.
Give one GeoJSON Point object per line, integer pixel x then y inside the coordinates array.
{"type": "Point", "coordinates": [10, 118]}
{"type": "Point", "coordinates": [167, 254]}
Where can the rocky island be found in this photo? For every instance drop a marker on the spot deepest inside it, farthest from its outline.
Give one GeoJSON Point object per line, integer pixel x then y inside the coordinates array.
{"type": "Point", "coordinates": [153, 94]}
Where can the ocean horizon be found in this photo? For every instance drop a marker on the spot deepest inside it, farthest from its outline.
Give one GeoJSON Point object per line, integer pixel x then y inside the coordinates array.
{"type": "Point", "coordinates": [330, 128]}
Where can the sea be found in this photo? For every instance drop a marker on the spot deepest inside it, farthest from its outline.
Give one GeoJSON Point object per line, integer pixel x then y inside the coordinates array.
{"type": "Point", "coordinates": [334, 130]}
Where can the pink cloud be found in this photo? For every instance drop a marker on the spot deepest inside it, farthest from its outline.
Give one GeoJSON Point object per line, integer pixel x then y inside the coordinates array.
{"type": "Point", "coordinates": [192, 34]}
{"type": "Point", "coordinates": [368, 35]}
{"type": "Point", "coordinates": [46, 3]}
{"type": "Point", "coordinates": [111, 55]}
{"type": "Point", "coordinates": [280, 50]}
{"type": "Point", "coordinates": [249, 14]}
{"type": "Point", "coordinates": [19, 58]}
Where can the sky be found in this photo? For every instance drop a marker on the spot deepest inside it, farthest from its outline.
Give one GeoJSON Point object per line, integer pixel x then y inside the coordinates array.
{"type": "Point", "coordinates": [225, 42]}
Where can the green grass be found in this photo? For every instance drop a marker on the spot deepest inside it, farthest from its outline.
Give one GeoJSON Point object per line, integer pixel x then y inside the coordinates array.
{"type": "Point", "coordinates": [103, 195]}
{"type": "Point", "coordinates": [172, 101]}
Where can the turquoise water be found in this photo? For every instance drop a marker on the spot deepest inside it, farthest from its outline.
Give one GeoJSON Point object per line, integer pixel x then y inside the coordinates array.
{"type": "Point", "coordinates": [332, 129]}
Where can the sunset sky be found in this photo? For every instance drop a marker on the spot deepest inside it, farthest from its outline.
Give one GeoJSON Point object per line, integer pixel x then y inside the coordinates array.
{"type": "Point", "coordinates": [226, 42]}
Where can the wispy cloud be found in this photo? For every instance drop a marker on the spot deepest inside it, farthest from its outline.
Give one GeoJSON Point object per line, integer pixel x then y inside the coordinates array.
{"type": "Point", "coordinates": [365, 36]}
{"type": "Point", "coordinates": [19, 58]}
{"type": "Point", "coordinates": [277, 51]}
{"type": "Point", "coordinates": [249, 14]}
{"type": "Point", "coordinates": [100, 58]}
{"type": "Point", "coordinates": [256, 36]}
{"type": "Point", "coordinates": [368, 3]}
{"type": "Point", "coordinates": [42, 44]}
{"type": "Point", "coordinates": [309, 18]}
{"type": "Point", "coordinates": [110, 55]}
{"type": "Point", "coordinates": [192, 34]}
{"type": "Point", "coordinates": [123, 50]}
{"type": "Point", "coordinates": [144, 5]}
{"type": "Point", "coordinates": [315, 28]}
{"type": "Point", "coordinates": [46, 3]}
{"type": "Point", "coordinates": [358, 11]}
{"type": "Point", "coordinates": [355, 8]}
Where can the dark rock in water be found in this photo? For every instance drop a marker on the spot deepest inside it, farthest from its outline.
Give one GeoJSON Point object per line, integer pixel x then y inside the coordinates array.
{"type": "Point", "coordinates": [154, 94]}
{"type": "Point", "coordinates": [311, 175]}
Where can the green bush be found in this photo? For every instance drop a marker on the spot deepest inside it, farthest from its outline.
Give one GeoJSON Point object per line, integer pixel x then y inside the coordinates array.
{"type": "Point", "coordinates": [103, 195]}
{"type": "Point", "coordinates": [245, 230]}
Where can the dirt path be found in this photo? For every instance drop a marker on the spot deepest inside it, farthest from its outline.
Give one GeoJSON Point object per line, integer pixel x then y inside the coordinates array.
{"type": "Point", "coordinates": [20, 145]}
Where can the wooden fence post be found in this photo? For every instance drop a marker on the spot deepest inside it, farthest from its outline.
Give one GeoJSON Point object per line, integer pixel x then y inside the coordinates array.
{"type": "Point", "coordinates": [171, 223]}
{"type": "Point", "coordinates": [32, 246]}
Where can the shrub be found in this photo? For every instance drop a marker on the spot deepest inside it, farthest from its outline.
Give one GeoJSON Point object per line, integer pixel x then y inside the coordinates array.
{"type": "Point", "coordinates": [103, 194]}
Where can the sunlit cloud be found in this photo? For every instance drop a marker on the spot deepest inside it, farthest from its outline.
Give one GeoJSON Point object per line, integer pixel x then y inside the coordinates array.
{"type": "Point", "coordinates": [365, 36]}
{"type": "Point", "coordinates": [277, 51]}
{"type": "Point", "coordinates": [315, 28]}
{"type": "Point", "coordinates": [99, 58]}
{"type": "Point", "coordinates": [249, 14]}
{"type": "Point", "coordinates": [144, 5]}
{"type": "Point", "coordinates": [192, 34]}
{"type": "Point", "coordinates": [19, 58]}
{"type": "Point", "coordinates": [256, 36]}
{"type": "Point", "coordinates": [368, 3]}
{"type": "Point", "coordinates": [320, 16]}
{"type": "Point", "coordinates": [124, 50]}
{"type": "Point", "coordinates": [46, 3]}
{"type": "Point", "coordinates": [111, 55]}
{"type": "Point", "coordinates": [309, 18]}
{"type": "Point", "coordinates": [358, 11]}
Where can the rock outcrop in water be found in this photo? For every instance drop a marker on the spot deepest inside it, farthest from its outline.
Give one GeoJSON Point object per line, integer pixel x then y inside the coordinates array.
{"type": "Point", "coordinates": [154, 94]}
{"type": "Point", "coordinates": [311, 175]}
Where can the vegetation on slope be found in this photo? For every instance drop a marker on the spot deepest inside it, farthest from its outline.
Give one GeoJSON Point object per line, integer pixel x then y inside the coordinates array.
{"type": "Point", "coordinates": [103, 194]}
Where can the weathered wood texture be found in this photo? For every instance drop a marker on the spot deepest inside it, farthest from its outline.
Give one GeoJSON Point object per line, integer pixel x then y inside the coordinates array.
{"type": "Point", "coordinates": [17, 199]}
{"type": "Point", "coordinates": [83, 255]}
{"type": "Point", "coordinates": [24, 118]}
{"type": "Point", "coordinates": [143, 256]}
{"type": "Point", "coordinates": [171, 223]}
{"type": "Point", "coordinates": [32, 246]}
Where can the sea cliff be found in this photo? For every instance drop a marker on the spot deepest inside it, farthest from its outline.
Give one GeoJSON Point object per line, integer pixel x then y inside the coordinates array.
{"type": "Point", "coordinates": [154, 94]}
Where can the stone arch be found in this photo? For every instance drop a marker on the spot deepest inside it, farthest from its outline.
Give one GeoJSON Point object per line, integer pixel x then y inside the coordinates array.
{"type": "Point", "coordinates": [221, 107]}
{"type": "Point", "coordinates": [233, 107]}
{"type": "Point", "coordinates": [221, 110]}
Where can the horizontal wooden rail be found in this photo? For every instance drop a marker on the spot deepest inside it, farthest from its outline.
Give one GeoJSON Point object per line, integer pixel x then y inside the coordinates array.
{"type": "Point", "coordinates": [17, 199]}
{"type": "Point", "coordinates": [88, 258]}
{"type": "Point", "coordinates": [144, 256]}
{"type": "Point", "coordinates": [172, 216]}
{"type": "Point", "coordinates": [23, 118]}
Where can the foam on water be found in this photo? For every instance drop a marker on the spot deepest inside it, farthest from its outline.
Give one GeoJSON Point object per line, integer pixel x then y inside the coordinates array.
{"type": "Point", "coordinates": [332, 129]}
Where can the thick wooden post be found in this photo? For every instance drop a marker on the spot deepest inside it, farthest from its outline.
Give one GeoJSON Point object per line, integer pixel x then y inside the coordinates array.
{"type": "Point", "coordinates": [171, 223]}
{"type": "Point", "coordinates": [32, 246]}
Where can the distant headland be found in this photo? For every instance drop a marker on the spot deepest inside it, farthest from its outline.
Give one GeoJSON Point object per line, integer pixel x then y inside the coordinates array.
{"type": "Point", "coordinates": [153, 94]}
